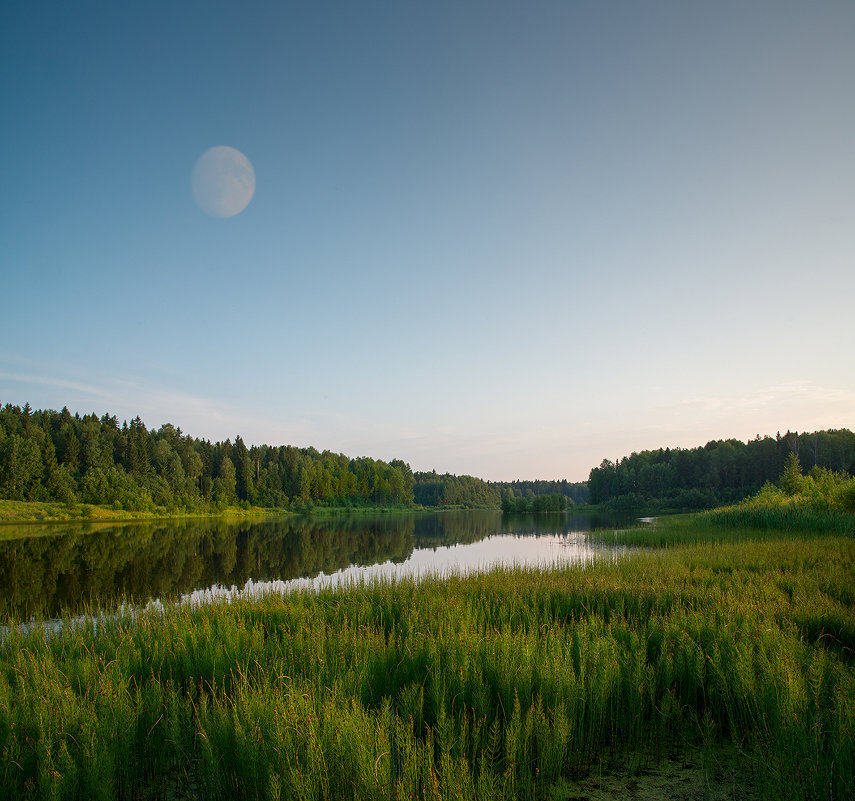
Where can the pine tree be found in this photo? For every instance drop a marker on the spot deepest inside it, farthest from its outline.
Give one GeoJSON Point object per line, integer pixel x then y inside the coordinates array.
{"type": "Point", "coordinates": [792, 481]}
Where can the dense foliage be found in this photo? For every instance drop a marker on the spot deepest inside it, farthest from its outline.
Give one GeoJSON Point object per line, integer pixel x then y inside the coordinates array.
{"type": "Point", "coordinates": [573, 492]}
{"type": "Point", "coordinates": [433, 489]}
{"type": "Point", "coordinates": [500, 686]}
{"type": "Point", "coordinates": [722, 471]}
{"type": "Point", "coordinates": [536, 504]}
{"type": "Point", "coordinates": [820, 501]}
{"type": "Point", "coordinates": [50, 456]}
{"type": "Point", "coordinates": [73, 459]}
{"type": "Point", "coordinates": [446, 489]}
{"type": "Point", "coordinates": [57, 456]}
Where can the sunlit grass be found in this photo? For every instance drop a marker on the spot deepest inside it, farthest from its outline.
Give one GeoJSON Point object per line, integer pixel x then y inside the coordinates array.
{"type": "Point", "coordinates": [492, 686]}
{"type": "Point", "coordinates": [14, 512]}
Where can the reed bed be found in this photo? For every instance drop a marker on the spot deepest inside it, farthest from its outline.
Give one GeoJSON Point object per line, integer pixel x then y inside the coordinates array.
{"type": "Point", "coordinates": [787, 517]}
{"type": "Point", "coordinates": [498, 686]}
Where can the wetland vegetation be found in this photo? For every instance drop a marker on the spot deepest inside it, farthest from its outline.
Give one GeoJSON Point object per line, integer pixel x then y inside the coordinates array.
{"type": "Point", "coordinates": [503, 685]}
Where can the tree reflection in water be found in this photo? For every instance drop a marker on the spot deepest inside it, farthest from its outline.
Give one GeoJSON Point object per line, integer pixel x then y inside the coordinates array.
{"type": "Point", "coordinates": [59, 569]}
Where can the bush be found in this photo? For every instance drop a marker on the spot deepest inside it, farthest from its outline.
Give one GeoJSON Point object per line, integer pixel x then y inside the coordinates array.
{"type": "Point", "coordinates": [844, 496]}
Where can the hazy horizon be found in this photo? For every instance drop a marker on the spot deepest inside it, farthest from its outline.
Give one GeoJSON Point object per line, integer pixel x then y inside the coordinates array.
{"type": "Point", "coordinates": [492, 239]}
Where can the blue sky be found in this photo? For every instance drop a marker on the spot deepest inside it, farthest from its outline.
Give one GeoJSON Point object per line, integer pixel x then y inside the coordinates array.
{"type": "Point", "coordinates": [504, 239]}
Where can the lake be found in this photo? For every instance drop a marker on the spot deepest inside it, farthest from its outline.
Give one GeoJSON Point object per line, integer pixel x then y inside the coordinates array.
{"type": "Point", "coordinates": [59, 569]}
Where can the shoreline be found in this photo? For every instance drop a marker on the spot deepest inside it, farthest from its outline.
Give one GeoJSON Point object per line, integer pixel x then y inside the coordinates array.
{"type": "Point", "coordinates": [24, 512]}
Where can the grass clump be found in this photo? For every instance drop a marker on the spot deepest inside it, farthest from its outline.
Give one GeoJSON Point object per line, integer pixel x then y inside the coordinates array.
{"type": "Point", "coordinates": [504, 685]}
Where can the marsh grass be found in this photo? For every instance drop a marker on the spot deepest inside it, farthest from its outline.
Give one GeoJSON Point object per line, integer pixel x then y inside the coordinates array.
{"type": "Point", "coordinates": [782, 517]}
{"type": "Point", "coordinates": [503, 685]}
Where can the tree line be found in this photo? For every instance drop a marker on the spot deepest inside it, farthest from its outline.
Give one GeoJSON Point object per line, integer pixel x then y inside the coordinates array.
{"type": "Point", "coordinates": [572, 492]}
{"type": "Point", "coordinates": [71, 458]}
{"type": "Point", "coordinates": [447, 489]}
{"type": "Point", "coordinates": [537, 504]}
{"type": "Point", "coordinates": [722, 471]}
{"type": "Point", "coordinates": [57, 456]}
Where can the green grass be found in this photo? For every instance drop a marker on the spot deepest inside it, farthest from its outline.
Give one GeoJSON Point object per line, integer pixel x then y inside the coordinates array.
{"type": "Point", "coordinates": [48, 511]}
{"type": "Point", "coordinates": [788, 517]}
{"type": "Point", "coordinates": [505, 685]}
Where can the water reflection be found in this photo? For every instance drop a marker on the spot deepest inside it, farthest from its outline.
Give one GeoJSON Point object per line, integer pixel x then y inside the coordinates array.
{"type": "Point", "coordinates": [62, 569]}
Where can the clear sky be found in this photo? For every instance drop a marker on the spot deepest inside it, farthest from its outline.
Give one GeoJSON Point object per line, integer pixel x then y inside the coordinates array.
{"type": "Point", "coordinates": [503, 239]}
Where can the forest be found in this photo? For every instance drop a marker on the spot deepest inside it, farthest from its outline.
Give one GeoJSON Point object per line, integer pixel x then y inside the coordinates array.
{"type": "Point", "coordinates": [86, 459]}
{"type": "Point", "coordinates": [720, 472]}
{"type": "Point", "coordinates": [65, 457]}
{"type": "Point", "coordinates": [537, 504]}
{"type": "Point", "coordinates": [433, 489]}
{"type": "Point", "coordinates": [574, 492]}
{"type": "Point", "coordinates": [57, 456]}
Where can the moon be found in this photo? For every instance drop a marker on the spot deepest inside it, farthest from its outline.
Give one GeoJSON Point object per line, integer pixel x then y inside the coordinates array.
{"type": "Point", "coordinates": [223, 181]}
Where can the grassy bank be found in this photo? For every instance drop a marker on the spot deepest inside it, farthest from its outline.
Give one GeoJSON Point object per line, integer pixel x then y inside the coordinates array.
{"type": "Point", "coordinates": [47, 512]}
{"type": "Point", "coordinates": [324, 511]}
{"type": "Point", "coordinates": [506, 685]}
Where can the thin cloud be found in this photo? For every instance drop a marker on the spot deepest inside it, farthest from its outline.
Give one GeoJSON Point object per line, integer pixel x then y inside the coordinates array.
{"type": "Point", "coordinates": [774, 398]}
{"type": "Point", "coordinates": [51, 381]}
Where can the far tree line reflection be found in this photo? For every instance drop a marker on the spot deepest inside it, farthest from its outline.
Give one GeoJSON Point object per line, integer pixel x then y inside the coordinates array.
{"type": "Point", "coordinates": [65, 569]}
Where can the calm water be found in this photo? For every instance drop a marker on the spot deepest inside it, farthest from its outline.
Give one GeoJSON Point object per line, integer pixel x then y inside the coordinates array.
{"type": "Point", "coordinates": [49, 570]}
